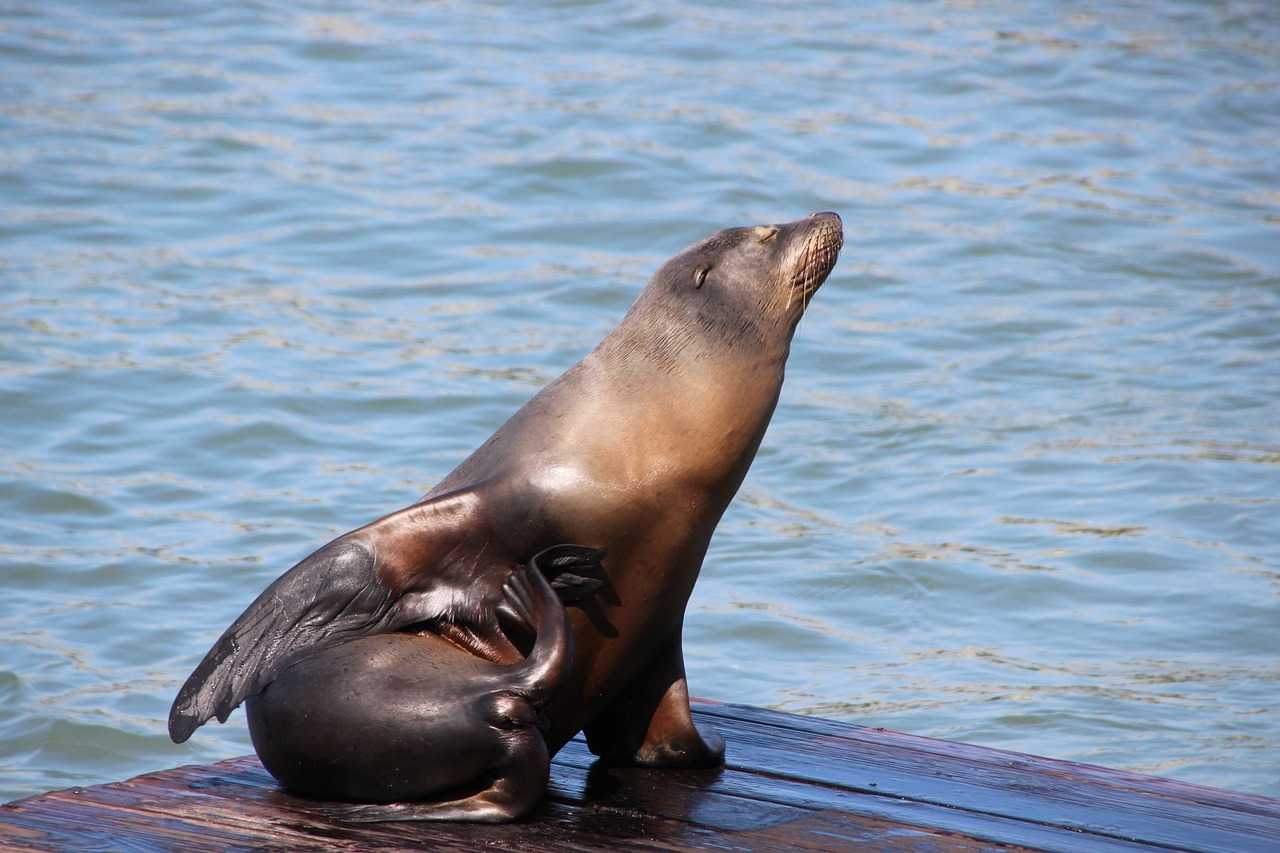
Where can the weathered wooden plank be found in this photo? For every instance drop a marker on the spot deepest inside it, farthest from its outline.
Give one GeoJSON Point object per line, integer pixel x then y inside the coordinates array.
{"type": "Point", "coordinates": [1087, 800]}
{"type": "Point", "coordinates": [749, 812]}
{"type": "Point", "coordinates": [773, 790]}
{"type": "Point", "coordinates": [235, 805]}
{"type": "Point", "coordinates": [792, 783]}
{"type": "Point", "coordinates": [744, 806]}
{"type": "Point", "coordinates": [980, 755]}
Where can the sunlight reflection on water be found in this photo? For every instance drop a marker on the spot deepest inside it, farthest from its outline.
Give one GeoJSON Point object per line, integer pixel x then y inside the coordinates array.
{"type": "Point", "coordinates": [270, 273]}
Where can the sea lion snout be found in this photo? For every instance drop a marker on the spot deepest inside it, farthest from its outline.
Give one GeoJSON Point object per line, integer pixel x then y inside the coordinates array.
{"type": "Point", "coordinates": [825, 228]}
{"type": "Point", "coordinates": [812, 246]}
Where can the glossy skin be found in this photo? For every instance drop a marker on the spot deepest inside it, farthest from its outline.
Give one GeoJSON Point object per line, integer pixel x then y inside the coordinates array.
{"type": "Point", "coordinates": [456, 736]}
{"type": "Point", "coordinates": [636, 450]}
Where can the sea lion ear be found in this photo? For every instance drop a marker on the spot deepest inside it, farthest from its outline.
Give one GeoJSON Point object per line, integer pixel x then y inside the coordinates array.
{"type": "Point", "coordinates": [700, 276]}
{"type": "Point", "coordinates": [765, 233]}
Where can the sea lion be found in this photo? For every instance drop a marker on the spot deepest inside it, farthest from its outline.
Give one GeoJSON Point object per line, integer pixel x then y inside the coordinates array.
{"type": "Point", "coordinates": [447, 734]}
{"type": "Point", "coordinates": [636, 450]}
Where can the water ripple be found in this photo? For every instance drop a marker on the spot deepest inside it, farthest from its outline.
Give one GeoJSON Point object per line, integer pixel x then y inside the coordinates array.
{"type": "Point", "coordinates": [267, 273]}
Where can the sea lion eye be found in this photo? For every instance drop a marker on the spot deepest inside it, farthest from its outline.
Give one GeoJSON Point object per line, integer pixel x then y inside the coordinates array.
{"type": "Point", "coordinates": [700, 276]}
{"type": "Point", "coordinates": [765, 233]}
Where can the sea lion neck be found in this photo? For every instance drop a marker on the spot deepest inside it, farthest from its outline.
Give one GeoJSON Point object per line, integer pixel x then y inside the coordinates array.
{"type": "Point", "coordinates": [658, 340]}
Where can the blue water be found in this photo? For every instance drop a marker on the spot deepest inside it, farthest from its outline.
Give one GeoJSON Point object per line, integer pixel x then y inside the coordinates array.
{"type": "Point", "coordinates": [269, 271]}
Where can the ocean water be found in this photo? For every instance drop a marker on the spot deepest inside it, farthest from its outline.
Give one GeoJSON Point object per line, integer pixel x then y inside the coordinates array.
{"type": "Point", "coordinates": [269, 271]}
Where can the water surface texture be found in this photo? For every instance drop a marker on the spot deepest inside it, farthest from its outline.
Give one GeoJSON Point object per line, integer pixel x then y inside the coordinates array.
{"type": "Point", "coordinates": [269, 270]}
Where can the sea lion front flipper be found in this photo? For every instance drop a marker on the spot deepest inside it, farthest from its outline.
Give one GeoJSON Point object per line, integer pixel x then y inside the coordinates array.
{"type": "Point", "coordinates": [384, 576]}
{"type": "Point", "coordinates": [649, 724]}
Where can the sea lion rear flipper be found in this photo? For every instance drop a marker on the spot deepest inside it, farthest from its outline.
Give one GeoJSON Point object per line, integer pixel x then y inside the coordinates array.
{"type": "Point", "coordinates": [356, 585]}
{"type": "Point", "coordinates": [571, 586]}
{"type": "Point", "coordinates": [530, 600]}
{"type": "Point", "coordinates": [575, 588]}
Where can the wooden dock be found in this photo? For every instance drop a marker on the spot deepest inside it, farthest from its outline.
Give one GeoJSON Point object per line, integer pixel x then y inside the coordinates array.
{"type": "Point", "coordinates": [791, 783]}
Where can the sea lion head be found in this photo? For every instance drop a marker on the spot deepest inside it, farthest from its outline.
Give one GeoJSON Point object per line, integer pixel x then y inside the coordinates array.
{"type": "Point", "coordinates": [742, 287]}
